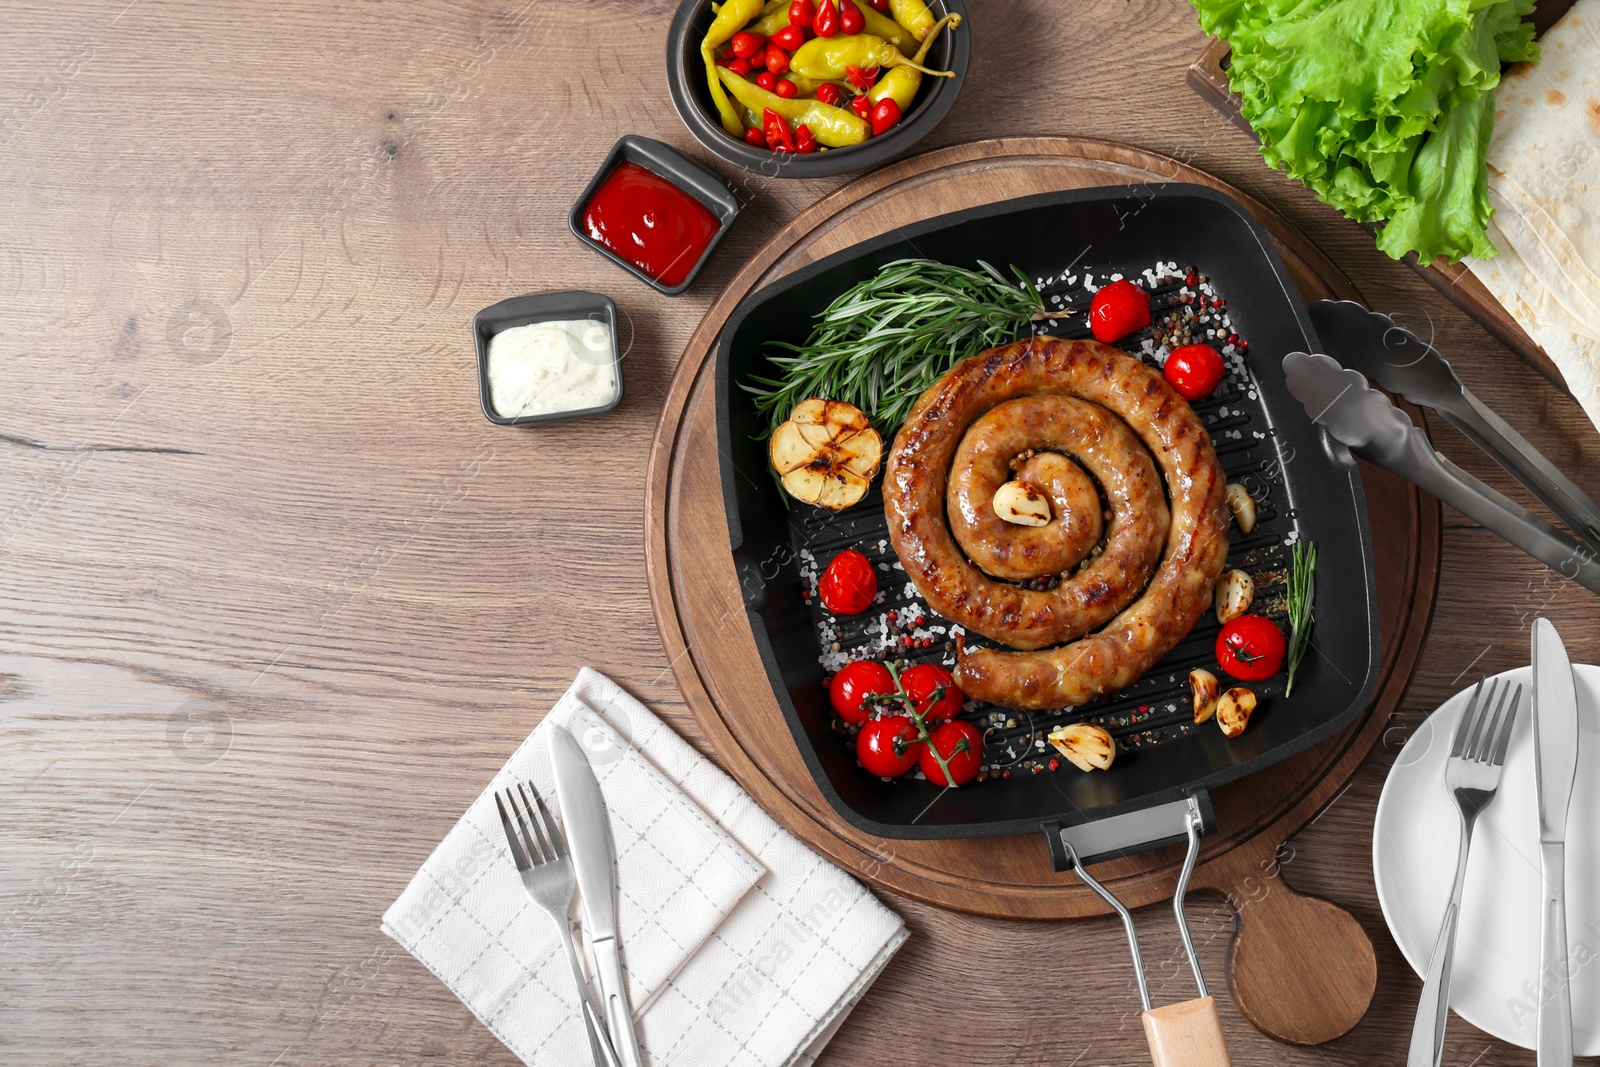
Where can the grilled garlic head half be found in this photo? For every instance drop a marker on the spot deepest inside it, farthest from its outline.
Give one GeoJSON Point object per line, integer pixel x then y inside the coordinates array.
{"type": "Point", "coordinates": [826, 453]}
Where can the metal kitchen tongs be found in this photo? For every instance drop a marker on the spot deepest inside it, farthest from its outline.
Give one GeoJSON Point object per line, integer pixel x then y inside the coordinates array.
{"type": "Point", "coordinates": [1188, 1033]}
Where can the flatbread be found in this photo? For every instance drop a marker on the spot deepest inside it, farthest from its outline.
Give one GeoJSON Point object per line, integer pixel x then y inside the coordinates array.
{"type": "Point", "coordinates": [1544, 184]}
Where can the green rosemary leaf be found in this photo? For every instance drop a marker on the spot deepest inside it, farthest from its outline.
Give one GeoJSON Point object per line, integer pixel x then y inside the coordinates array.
{"type": "Point", "coordinates": [1302, 597]}
{"type": "Point", "coordinates": [883, 341]}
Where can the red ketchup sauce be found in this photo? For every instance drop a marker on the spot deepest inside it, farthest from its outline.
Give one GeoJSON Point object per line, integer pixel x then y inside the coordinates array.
{"type": "Point", "coordinates": [650, 222]}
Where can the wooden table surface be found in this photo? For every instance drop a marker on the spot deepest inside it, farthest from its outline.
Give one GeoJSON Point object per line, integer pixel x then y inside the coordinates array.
{"type": "Point", "coordinates": [276, 601]}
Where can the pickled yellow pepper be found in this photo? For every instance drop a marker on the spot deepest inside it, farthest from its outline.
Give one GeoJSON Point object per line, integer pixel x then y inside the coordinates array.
{"type": "Point", "coordinates": [731, 18]}
{"type": "Point", "coordinates": [832, 126]}
{"type": "Point", "coordinates": [902, 83]}
{"type": "Point", "coordinates": [826, 58]}
{"type": "Point", "coordinates": [914, 16]}
{"type": "Point", "coordinates": [880, 25]}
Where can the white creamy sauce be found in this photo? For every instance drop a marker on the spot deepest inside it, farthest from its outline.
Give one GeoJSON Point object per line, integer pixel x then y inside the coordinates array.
{"type": "Point", "coordinates": [547, 367]}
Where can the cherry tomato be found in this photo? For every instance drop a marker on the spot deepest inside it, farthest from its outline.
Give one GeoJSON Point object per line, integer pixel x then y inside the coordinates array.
{"type": "Point", "coordinates": [861, 106]}
{"type": "Point", "coordinates": [777, 60]}
{"type": "Point", "coordinates": [826, 24]}
{"type": "Point", "coordinates": [829, 93]}
{"type": "Point", "coordinates": [851, 20]}
{"type": "Point", "coordinates": [786, 89]}
{"type": "Point", "coordinates": [755, 137]}
{"type": "Point", "coordinates": [789, 38]}
{"type": "Point", "coordinates": [889, 747]}
{"type": "Point", "coordinates": [1117, 310]}
{"type": "Point", "coordinates": [802, 14]}
{"type": "Point", "coordinates": [1194, 370]}
{"type": "Point", "coordinates": [851, 686]}
{"type": "Point", "coordinates": [886, 113]}
{"type": "Point", "coordinates": [767, 80]}
{"type": "Point", "coordinates": [746, 45]}
{"type": "Point", "coordinates": [849, 584]}
{"type": "Point", "coordinates": [1251, 648]}
{"type": "Point", "coordinates": [922, 681]}
{"type": "Point", "coordinates": [961, 745]}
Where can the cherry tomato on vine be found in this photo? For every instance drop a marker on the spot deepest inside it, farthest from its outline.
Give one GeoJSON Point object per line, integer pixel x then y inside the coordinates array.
{"type": "Point", "coordinates": [849, 584]}
{"type": "Point", "coordinates": [746, 45]}
{"type": "Point", "coordinates": [889, 747]}
{"type": "Point", "coordinates": [1251, 648]}
{"type": "Point", "coordinates": [852, 686]}
{"type": "Point", "coordinates": [1117, 310]}
{"type": "Point", "coordinates": [961, 745]}
{"type": "Point", "coordinates": [1194, 370]}
{"type": "Point", "coordinates": [925, 679]}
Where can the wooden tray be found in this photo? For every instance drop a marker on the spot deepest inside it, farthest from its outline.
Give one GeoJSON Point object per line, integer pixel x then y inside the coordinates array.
{"type": "Point", "coordinates": [1208, 76]}
{"type": "Point", "coordinates": [1303, 969]}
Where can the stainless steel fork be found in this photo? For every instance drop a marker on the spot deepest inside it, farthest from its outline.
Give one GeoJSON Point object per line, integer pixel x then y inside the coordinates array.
{"type": "Point", "coordinates": [1472, 774]}
{"type": "Point", "coordinates": [547, 874]}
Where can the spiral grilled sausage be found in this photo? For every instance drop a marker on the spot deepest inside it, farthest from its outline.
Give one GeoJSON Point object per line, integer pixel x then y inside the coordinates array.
{"type": "Point", "coordinates": [1144, 614]}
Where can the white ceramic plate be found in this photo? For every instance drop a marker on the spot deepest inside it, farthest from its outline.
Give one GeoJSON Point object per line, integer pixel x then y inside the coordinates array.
{"type": "Point", "coordinates": [1496, 981]}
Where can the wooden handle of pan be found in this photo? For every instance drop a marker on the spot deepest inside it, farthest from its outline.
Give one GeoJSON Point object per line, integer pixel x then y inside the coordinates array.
{"type": "Point", "coordinates": [1186, 1035]}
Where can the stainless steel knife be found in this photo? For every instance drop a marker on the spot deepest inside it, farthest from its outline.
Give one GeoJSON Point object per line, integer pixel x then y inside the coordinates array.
{"type": "Point", "coordinates": [1401, 362]}
{"type": "Point", "coordinates": [583, 814]}
{"type": "Point", "coordinates": [1555, 756]}
{"type": "Point", "coordinates": [1367, 422]}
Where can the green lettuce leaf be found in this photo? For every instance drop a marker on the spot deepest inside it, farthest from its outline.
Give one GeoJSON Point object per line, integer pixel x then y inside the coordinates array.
{"type": "Point", "coordinates": [1382, 107]}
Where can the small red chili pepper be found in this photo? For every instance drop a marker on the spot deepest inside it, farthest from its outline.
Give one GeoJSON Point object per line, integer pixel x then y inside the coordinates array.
{"type": "Point", "coordinates": [884, 115]}
{"type": "Point", "coordinates": [880, 5]}
{"type": "Point", "coordinates": [767, 80]}
{"type": "Point", "coordinates": [778, 132]}
{"type": "Point", "coordinates": [829, 93]}
{"type": "Point", "coordinates": [755, 137]}
{"type": "Point", "coordinates": [861, 106]}
{"type": "Point", "coordinates": [759, 60]}
{"type": "Point", "coordinates": [740, 67]}
{"type": "Point", "coordinates": [789, 38]}
{"type": "Point", "coordinates": [777, 60]}
{"type": "Point", "coordinates": [861, 79]}
{"type": "Point", "coordinates": [804, 140]}
{"type": "Point", "coordinates": [826, 24]}
{"type": "Point", "coordinates": [786, 89]}
{"type": "Point", "coordinates": [851, 20]}
{"type": "Point", "coordinates": [747, 44]}
{"type": "Point", "coordinates": [802, 13]}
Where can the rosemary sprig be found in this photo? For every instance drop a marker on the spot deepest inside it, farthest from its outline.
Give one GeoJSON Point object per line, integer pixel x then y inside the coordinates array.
{"type": "Point", "coordinates": [888, 338]}
{"type": "Point", "coordinates": [1302, 594]}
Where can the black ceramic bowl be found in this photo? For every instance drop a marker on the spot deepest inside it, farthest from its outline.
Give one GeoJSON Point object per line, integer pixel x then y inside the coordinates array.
{"type": "Point", "coordinates": [542, 307]}
{"type": "Point", "coordinates": [686, 80]}
{"type": "Point", "coordinates": [680, 170]}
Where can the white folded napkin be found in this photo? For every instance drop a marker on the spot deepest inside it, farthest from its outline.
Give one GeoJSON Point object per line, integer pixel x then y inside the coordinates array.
{"type": "Point", "coordinates": [741, 945]}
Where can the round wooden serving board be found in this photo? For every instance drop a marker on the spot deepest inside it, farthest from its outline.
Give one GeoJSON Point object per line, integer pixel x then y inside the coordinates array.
{"type": "Point", "coordinates": [1303, 970]}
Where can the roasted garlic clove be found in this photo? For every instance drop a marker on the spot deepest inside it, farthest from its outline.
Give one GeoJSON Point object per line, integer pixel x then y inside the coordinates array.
{"type": "Point", "coordinates": [1204, 687]}
{"type": "Point", "coordinates": [1233, 710]}
{"type": "Point", "coordinates": [1243, 506]}
{"type": "Point", "coordinates": [1022, 504]}
{"type": "Point", "coordinates": [1235, 591]}
{"type": "Point", "coordinates": [1087, 746]}
{"type": "Point", "coordinates": [826, 453]}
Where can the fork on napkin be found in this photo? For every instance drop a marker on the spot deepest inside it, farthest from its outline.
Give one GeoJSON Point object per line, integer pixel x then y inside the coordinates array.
{"type": "Point", "coordinates": [740, 945]}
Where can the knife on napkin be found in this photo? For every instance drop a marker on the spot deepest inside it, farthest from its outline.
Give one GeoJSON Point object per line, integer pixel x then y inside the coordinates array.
{"type": "Point", "coordinates": [583, 812]}
{"type": "Point", "coordinates": [1555, 756]}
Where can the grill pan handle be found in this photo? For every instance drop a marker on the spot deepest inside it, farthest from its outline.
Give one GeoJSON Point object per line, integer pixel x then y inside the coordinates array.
{"type": "Point", "coordinates": [1186, 1035]}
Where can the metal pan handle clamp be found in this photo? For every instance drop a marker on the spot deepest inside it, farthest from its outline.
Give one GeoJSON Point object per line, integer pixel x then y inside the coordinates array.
{"type": "Point", "coordinates": [1188, 1034]}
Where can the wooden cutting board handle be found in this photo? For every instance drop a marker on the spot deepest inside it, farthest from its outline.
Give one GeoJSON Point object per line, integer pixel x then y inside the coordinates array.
{"type": "Point", "coordinates": [1302, 970]}
{"type": "Point", "coordinates": [1186, 1035]}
